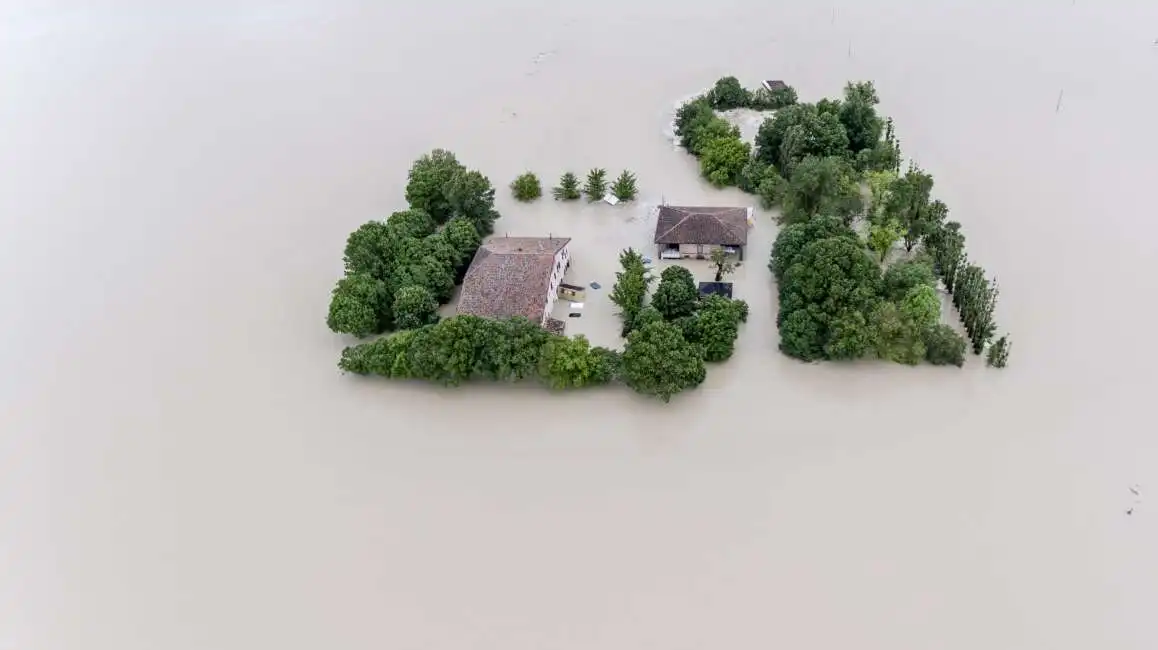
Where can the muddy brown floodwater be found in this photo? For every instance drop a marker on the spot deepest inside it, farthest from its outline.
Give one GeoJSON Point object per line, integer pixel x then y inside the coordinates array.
{"type": "Point", "coordinates": [183, 466]}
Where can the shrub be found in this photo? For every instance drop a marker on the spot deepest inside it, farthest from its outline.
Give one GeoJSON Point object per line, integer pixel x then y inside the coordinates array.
{"type": "Point", "coordinates": [943, 346]}
{"type": "Point", "coordinates": [596, 187]}
{"type": "Point", "coordinates": [527, 187]}
{"type": "Point", "coordinates": [624, 187]}
{"type": "Point", "coordinates": [568, 188]}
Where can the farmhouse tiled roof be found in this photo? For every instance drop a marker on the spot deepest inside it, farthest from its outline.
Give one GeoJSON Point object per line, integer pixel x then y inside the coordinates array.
{"type": "Point", "coordinates": [701, 225]}
{"type": "Point", "coordinates": [510, 276]}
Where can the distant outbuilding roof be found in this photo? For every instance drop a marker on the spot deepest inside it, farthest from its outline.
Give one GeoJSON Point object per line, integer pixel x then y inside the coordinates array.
{"type": "Point", "coordinates": [701, 225]}
{"type": "Point", "coordinates": [509, 277]}
{"type": "Point", "coordinates": [774, 84]}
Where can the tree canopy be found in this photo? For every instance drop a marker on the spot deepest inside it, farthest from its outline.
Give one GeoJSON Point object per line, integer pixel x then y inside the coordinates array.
{"type": "Point", "coordinates": [821, 186]}
{"type": "Point", "coordinates": [659, 361]}
{"type": "Point", "coordinates": [793, 238]}
{"type": "Point", "coordinates": [359, 306]}
{"type": "Point", "coordinates": [798, 131]}
{"type": "Point", "coordinates": [414, 306]}
{"type": "Point", "coordinates": [723, 159]}
{"type": "Point", "coordinates": [677, 293]}
{"type": "Point", "coordinates": [631, 285]}
{"type": "Point", "coordinates": [429, 177]}
{"type": "Point", "coordinates": [830, 278]}
{"type": "Point", "coordinates": [728, 94]}
{"type": "Point", "coordinates": [859, 116]}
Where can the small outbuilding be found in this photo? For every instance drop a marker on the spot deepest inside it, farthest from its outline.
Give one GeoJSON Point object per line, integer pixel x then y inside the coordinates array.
{"type": "Point", "coordinates": [773, 85]}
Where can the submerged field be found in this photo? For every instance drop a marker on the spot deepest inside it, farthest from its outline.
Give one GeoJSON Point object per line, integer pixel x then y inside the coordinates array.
{"type": "Point", "coordinates": [184, 466]}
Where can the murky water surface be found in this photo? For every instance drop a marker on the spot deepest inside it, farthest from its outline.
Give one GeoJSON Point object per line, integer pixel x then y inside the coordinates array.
{"type": "Point", "coordinates": [184, 467]}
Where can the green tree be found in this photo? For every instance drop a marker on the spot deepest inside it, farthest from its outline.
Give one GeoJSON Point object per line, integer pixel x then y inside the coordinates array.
{"type": "Point", "coordinates": [370, 250]}
{"type": "Point", "coordinates": [511, 349]}
{"type": "Point", "coordinates": [728, 94]}
{"type": "Point", "coordinates": [659, 361]}
{"type": "Point", "coordinates": [998, 355]}
{"type": "Point", "coordinates": [723, 160]}
{"type": "Point", "coordinates": [568, 188]}
{"type": "Point", "coordinates": [922, 306]}
{"type": "Point", "coordinates": [908, 203]}
{"type": "Point", "coordinates": [387, 356]}
{"type": "Point", "coordinates": [526, 187]}
{"type": "Point", "coordinates": [773, 131]}
{"type": "Point", "coordinates": [879, 183]}
{"type": "Point", "coordinates": [882, 237]}
{"type": "Point", "coordinates": [648, 314]}
{"type": "Point", "coordinates": [802, 336]}
{"type": "Point", "coordinates": [821, 186]}
{"type": "Point", "coordinates": [573, 363]}
{"type": "Point", "coordinates": [752, 175]}
{"type": "Point", "coordinates": [631, 285]}
{"type": "Point", "coordinates": [703, 133]}
{"type": "Point", "coordinates": [975, 297]}
{"type": "Point", "coordinates": [904, 275]}
{"type": "Point", "coordinates": [859, 116]}
{"type": "Point", "coordinates": [676, 295]}
{"type": "Point", "coordinates": [359, 306]}
{"type": "Point", "coordinates": [411, 223]}
{"type": "Point", "coordinates": [943, 346]}
{"type": "Point", "coordinates": [850, 336]}
{"type": "Point", "coordinates": [596, 187]}
{"type": "Point", "coordinates": [624, 187]}
{"type": "Point", "coordinates": [428, 272]}
{"type": "Point", "coordinates": [798, 131]}
{"type": "Point", "coordinates": [447, 353]}
{"type": "Point", "coordinates": [771, 100]}
{"type": "Point", "coordinates": [828, 106]}
{"type": "Point", "coordinates": [429, 176]}
{"type": "Point", "coordinates": [695, 111]}
{"type": "Point", "coordinates": [947, 245]}
{"type": "Point", "coordinates": [793, 238]}
{"type": "Point", "coordinates": [828, 278]}
{"type": "Point", "coordinates": [471, 195]}
{"type": "Point", "coordinates": [723, 263]}
{"type": "Point", "coordinates": [772, 189]}
{"type": "Point", "coordinates": [717, 326]}
{"type": "Point", "coordinates": [896, 337]}
{"type": "Point", "coordinates": [414, 306]}
{"type": "Point", "coordinates": [460, 233]}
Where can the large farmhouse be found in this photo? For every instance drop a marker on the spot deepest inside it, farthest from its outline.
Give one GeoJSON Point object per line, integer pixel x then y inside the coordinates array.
{"type": "Point", "coordinates": [515, 276]}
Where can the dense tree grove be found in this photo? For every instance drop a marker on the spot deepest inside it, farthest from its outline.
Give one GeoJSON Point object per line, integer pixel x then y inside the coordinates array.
{"type": "Point", "coordinates": [821, 186]}
{"type": "Point", "coordinates": [724, 156]}
{"type": "Point", "coordinates": [826, 165]}
{"type": "Point", "coordinates": [464, 348]}
{"type": "Point", "coordinates": [415, 255]}
{"type": "Point", "coordinates": [835, 303]}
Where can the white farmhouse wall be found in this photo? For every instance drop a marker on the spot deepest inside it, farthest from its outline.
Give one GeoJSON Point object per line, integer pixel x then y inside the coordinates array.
{"type": "Point", "coordinates": [557, 271]}
{"type": "Point", "coordinates": [691, 250]}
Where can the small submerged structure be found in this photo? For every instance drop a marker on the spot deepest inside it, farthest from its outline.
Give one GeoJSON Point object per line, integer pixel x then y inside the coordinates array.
{"type": "Point", "coordinates": [716, 289]}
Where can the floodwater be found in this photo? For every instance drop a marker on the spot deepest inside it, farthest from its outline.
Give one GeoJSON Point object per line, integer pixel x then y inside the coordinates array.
{"type": "Point", "coordinates": [182, 465]}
